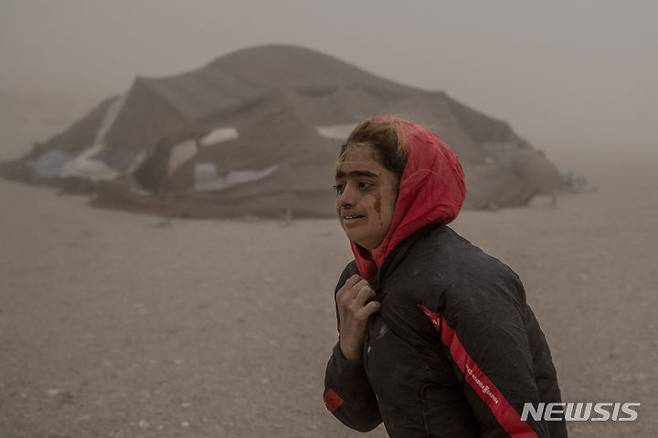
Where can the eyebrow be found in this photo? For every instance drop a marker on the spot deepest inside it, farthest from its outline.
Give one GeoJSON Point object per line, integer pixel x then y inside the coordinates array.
{"type": "Point", "coordinates": [354, 173]}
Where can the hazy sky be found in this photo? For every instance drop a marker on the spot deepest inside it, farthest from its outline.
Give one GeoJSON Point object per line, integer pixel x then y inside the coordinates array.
{"type": "Point", "coordinates": [561, 71]}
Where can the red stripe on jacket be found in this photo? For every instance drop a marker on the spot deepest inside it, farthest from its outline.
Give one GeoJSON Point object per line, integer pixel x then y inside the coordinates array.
{"type": "Point", "coordinates": [505, 414]}
{"type": "Point", "coordinates": [332, 400]}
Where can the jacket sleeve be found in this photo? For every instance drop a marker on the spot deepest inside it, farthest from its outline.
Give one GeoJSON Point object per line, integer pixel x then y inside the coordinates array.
{"type": "Point", "coordinates": [347, 392]}
{"type": "Point", "coordinates": [483, 332]}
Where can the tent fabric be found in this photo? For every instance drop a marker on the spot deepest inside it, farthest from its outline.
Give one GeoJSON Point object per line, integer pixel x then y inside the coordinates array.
{"type": "Point", "coordinates": [257, 131]}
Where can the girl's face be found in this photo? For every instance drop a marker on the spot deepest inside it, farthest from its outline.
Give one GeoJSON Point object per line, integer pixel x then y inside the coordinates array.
{"type": "Point", "coordinates": [365, 196]}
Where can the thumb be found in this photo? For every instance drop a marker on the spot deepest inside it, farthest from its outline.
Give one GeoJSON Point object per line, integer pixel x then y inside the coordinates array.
{"type": "Point", "coordinates": [372, 307]}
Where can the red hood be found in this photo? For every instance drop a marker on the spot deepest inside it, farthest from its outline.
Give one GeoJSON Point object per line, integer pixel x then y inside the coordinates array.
{"type": "Point", "coordinates": [431, 190]}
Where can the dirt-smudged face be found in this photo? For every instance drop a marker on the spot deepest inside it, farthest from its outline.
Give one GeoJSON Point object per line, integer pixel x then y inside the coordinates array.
{"type": "Point", "coordinates": [365, 195]}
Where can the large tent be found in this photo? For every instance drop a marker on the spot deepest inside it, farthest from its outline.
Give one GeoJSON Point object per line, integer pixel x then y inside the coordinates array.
{"type": "Point", "coordinates": [257, 132]}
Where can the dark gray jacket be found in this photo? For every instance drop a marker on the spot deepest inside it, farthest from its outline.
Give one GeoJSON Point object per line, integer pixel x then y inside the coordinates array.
{"type": "Point", "coordinates": [454, 351]}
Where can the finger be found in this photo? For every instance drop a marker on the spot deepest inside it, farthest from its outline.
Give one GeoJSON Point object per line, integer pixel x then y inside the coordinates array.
{"type": "Point", "coordinates": [347, 294]}
{"type": "Point", "coordinates": [369, 309]}
{"type": "Point", "coordinates": [364, 294]}
{"type": "Point", "coordinates": [360, 285]}
{"type": "Point", "coordinates": [354, 279]}
{"type": "Point", "coordinates": [348, 285]}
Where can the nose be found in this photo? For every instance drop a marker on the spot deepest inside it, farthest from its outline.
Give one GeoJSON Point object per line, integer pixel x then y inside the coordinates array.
{"type": "Point", "coordinates": [348, 197]}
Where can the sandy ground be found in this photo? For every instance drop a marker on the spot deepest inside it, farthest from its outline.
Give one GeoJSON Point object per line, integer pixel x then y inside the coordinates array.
{"type": "Point", "coordinates": [112, 325]}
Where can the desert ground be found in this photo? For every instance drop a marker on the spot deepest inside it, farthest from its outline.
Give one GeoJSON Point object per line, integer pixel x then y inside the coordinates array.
{"type": "Point", "coordinates": [115, 324]}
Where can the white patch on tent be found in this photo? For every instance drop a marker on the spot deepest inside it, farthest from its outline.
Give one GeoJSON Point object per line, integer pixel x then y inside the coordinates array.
{"type": "Point", "coordinates": [500, 152]}
{"type": "Point", "coordinates": [50, 164]}
{"type": "Point", "coordinates": [207, 179]}
{"type": "Point", "coordinates": [59, 164]}
{"type": "Point", "coordinates": [204, 173]}
{"type": "Point", "coordinates": [220, 135]}
{"type": "Point", "coordinates": [336, 132]}
{"type": "Point", "coordinates": [139, 191]}
{"type": "Point", "coordinates": [180, 153]}
{"type": "Point", "coordinates": [109, 117]}
{"type": "Point", "coordinates": [139, 159]}
{"type": "Point", "coordinates": [86, 167]}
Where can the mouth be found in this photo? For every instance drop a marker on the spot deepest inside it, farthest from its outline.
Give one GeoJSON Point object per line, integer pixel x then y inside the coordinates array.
{"type": "Point", "coordinates": [351, 217]}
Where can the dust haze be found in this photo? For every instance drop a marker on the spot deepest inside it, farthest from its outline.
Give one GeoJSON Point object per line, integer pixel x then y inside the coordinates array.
{"type": "Point", "coordinates": [565, 74]}
{"type": "Point", "coordinates": [113, 325]}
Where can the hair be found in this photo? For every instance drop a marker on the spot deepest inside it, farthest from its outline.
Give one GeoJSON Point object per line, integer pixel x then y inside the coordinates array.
{"type": "Point", "coordinates": [386, 136]}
